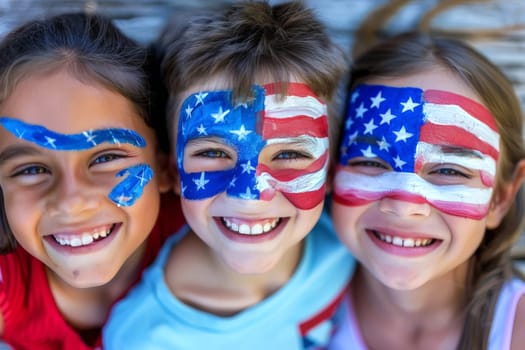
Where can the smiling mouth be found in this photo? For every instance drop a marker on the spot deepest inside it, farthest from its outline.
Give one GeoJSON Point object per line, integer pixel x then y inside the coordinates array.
{"type": "Point", "coordinates": [84, 238]}
{"type": "Point", "coordinates": [403, 241]}
{"type": "Point", "coordinates": [258, 228]}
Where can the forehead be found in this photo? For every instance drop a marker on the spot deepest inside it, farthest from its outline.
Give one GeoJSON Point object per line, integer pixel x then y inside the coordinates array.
{"type": "Point", "coordinates": [435, 78]}
{"type": "Point", "coordinates": [63, 103]}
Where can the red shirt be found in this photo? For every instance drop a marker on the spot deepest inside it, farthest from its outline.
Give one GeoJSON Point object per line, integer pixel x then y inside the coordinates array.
{"type": "Point", "coordinates": [31, 317]}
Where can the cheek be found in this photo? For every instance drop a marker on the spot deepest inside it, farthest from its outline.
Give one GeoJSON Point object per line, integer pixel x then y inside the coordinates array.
{"type": "Point", "coordinates": [193, 210]}
{"type": "Point", "coordinates": [345, 219]}
{"type": "Point", "coordinates": [308, 218]}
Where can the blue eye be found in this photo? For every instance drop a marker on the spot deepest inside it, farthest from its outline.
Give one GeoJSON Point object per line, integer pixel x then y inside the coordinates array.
{"type": "Point", "coordinates": [213, 153]}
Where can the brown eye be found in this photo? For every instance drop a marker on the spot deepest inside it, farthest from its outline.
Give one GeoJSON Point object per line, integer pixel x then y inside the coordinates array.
{"type": "Point", "coordinates": [291, 155]}
{"type": "Point", "coordinates": [31, 170]}
{"type": "Point", "coordinates": [108, 157]}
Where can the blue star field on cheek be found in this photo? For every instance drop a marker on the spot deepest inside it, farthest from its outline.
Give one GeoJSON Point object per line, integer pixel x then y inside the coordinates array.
{"type": "Point", "coordinates": [124, 193]}
{"type": "Point", "coordinates": [212, 114]}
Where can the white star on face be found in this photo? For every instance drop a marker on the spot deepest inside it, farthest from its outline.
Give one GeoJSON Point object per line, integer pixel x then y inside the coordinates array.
{"type": "Point", "coordinates": [123, 199]}
{"type": "Point", "coordinates": [182, 188]}
{"type": "Point", "coordinates": [351, 138]}
{"type": "Point", "coordinates": [399, 162]}
{"type": "Point", "coordinates": [402, 134]}
{"type": "Point", "coordinates": [383, 144]}
{"type": "Point", "coordinates": [90, 137]}
{"type": "Point", "coordinates": [386, 117]}
{"type": "Point", "coordinates": [241, 133]}
{"type": "Point", "coordinates": [376, 101]}
{"type": "Point", "coordinates": [355, 95]}
{"type": "Point", "coordinates": [219, 116]}
{"type": "Point", "coordinates": [409, 105]}
{"type": "Point", "coordinates": [360, 111]}
{"type": "Point", "coordinates": [19, 133]}
{"type": "Point", "coordinates": [247, 167]}
{"type": "Point", "coordinates": [369, 127]}
{"type": "Point", "coordinates": [232, 182]}
{"type": "Point", "coordinates": [201, 182]}
{"type": "Point", "coordinates": [200, 97]}
{"type": "Point", "coordinates": [115, 140]}
{"type": "Point", "coordinates": [202, 130]}
{"type": "Point", "coordinates": [349, 123]}
{"type": "Point", "coordinates": [188, 111]}
{"type": "Point", "coordinates": [368, 152]}
{"type": "Point", "coordinates": [248, 194]}
{"type": "Point", "coordinates": [142, 179]}
{"type": "Point", "coordinates": [50, 141]}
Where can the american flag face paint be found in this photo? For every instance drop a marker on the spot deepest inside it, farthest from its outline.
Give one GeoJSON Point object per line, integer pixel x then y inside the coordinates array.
{"type": "Point", "coordinates": [126, 192]}
{"type": "Point", "coordinates": [409, 128]}
{"type": "Point", "coordinates": [248, 128]}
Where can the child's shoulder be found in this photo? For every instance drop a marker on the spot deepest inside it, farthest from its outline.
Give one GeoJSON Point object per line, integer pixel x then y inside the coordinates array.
{"type": "Point", "coordinates": [518, 335]}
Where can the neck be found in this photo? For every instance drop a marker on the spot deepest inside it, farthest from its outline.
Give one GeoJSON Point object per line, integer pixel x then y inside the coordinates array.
{"type": "Point", "coordinates": [199, 278]}
{"type": "Point", "coordinates": [430, 316]}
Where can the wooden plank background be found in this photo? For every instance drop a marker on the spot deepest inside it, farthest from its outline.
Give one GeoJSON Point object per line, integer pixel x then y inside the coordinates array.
{"type": "Point", "coordinates": [495, 27]}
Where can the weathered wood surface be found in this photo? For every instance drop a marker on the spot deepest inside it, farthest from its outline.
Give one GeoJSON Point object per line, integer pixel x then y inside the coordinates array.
{"type": "Point", "coordinates": [495, 27]}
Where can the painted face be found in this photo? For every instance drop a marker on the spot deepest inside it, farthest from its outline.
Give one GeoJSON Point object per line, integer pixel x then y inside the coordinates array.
{"type": "Point", "coordinates": [76, 171]}
{"type": "Point", "coordinates": [128, 190]}
{"type": "Point", "coordinates": [409, 129]}
{"type": "Point", "coordinates": [247, 129]}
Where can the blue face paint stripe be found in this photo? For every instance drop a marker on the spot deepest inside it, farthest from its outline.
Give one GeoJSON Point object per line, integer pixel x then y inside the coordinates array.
{"type": "Point", "coordinates": [73, 142]}
{"type": "Point", "coordinates": [132, 187]}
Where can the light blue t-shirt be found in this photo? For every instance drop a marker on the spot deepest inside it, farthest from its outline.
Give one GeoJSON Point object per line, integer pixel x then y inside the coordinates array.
{"type": "Point", "coordinates": [297, 316]}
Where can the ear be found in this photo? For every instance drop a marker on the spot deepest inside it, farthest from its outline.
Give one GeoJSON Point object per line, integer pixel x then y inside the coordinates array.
{"type": "Point", "coordinates": [164, 175]}
{"type": "Point", "coordinates": [175, 178]}
{"type": "Point", "coordinates": [505, 197]}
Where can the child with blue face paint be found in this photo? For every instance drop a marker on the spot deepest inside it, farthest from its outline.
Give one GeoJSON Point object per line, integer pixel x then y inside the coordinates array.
{"type": "Point", "coordinates": [427, 196]}
{"type": "Point", "coordinates": [81, 176]}
{"type": "Point", "coordinates": [259, 265]}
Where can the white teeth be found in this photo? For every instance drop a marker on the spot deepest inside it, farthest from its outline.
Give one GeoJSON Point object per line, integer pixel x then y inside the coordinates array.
{"type": "Point", "coordinates": [397, 241]}
{"type": "Point", "coordinates": [86, 239]}
{"type": "Point", "coordinates": [255, 229]}
{"type": "Point", "coordinates": [83, 239]}
{"type": "Point", "coordinates": [244, 229]}
{"type": "Point", "coordinates": [403, 242]}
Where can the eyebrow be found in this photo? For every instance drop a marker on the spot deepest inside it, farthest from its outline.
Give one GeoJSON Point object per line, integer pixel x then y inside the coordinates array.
{"type": "Point", "coordinates": [303, 140]}
{"type": "Point", "coordinates": [460, 151]}
{"type": "Point", "coordinates": [13, 151]}
{"type": "Point", "coordinates": [367, 140]}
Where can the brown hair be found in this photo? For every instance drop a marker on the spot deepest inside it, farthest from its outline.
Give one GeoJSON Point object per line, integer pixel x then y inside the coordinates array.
{"type": "Point", "coordinates": [86, 45]}
{"type": "Point", "coordinates": [491, 264]}
{"type": "Point", "coordinates": [247, 39]}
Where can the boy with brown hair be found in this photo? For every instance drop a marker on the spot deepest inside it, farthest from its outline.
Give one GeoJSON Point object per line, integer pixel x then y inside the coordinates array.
{"type": "Point", "coordinates": [259, 265]}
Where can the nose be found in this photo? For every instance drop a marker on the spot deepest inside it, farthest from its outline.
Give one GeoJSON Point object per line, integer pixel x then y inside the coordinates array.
{"type": "Point", "coordinates": [72, 194]}
{"type": "Point", "coordinates": [405, 208]}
